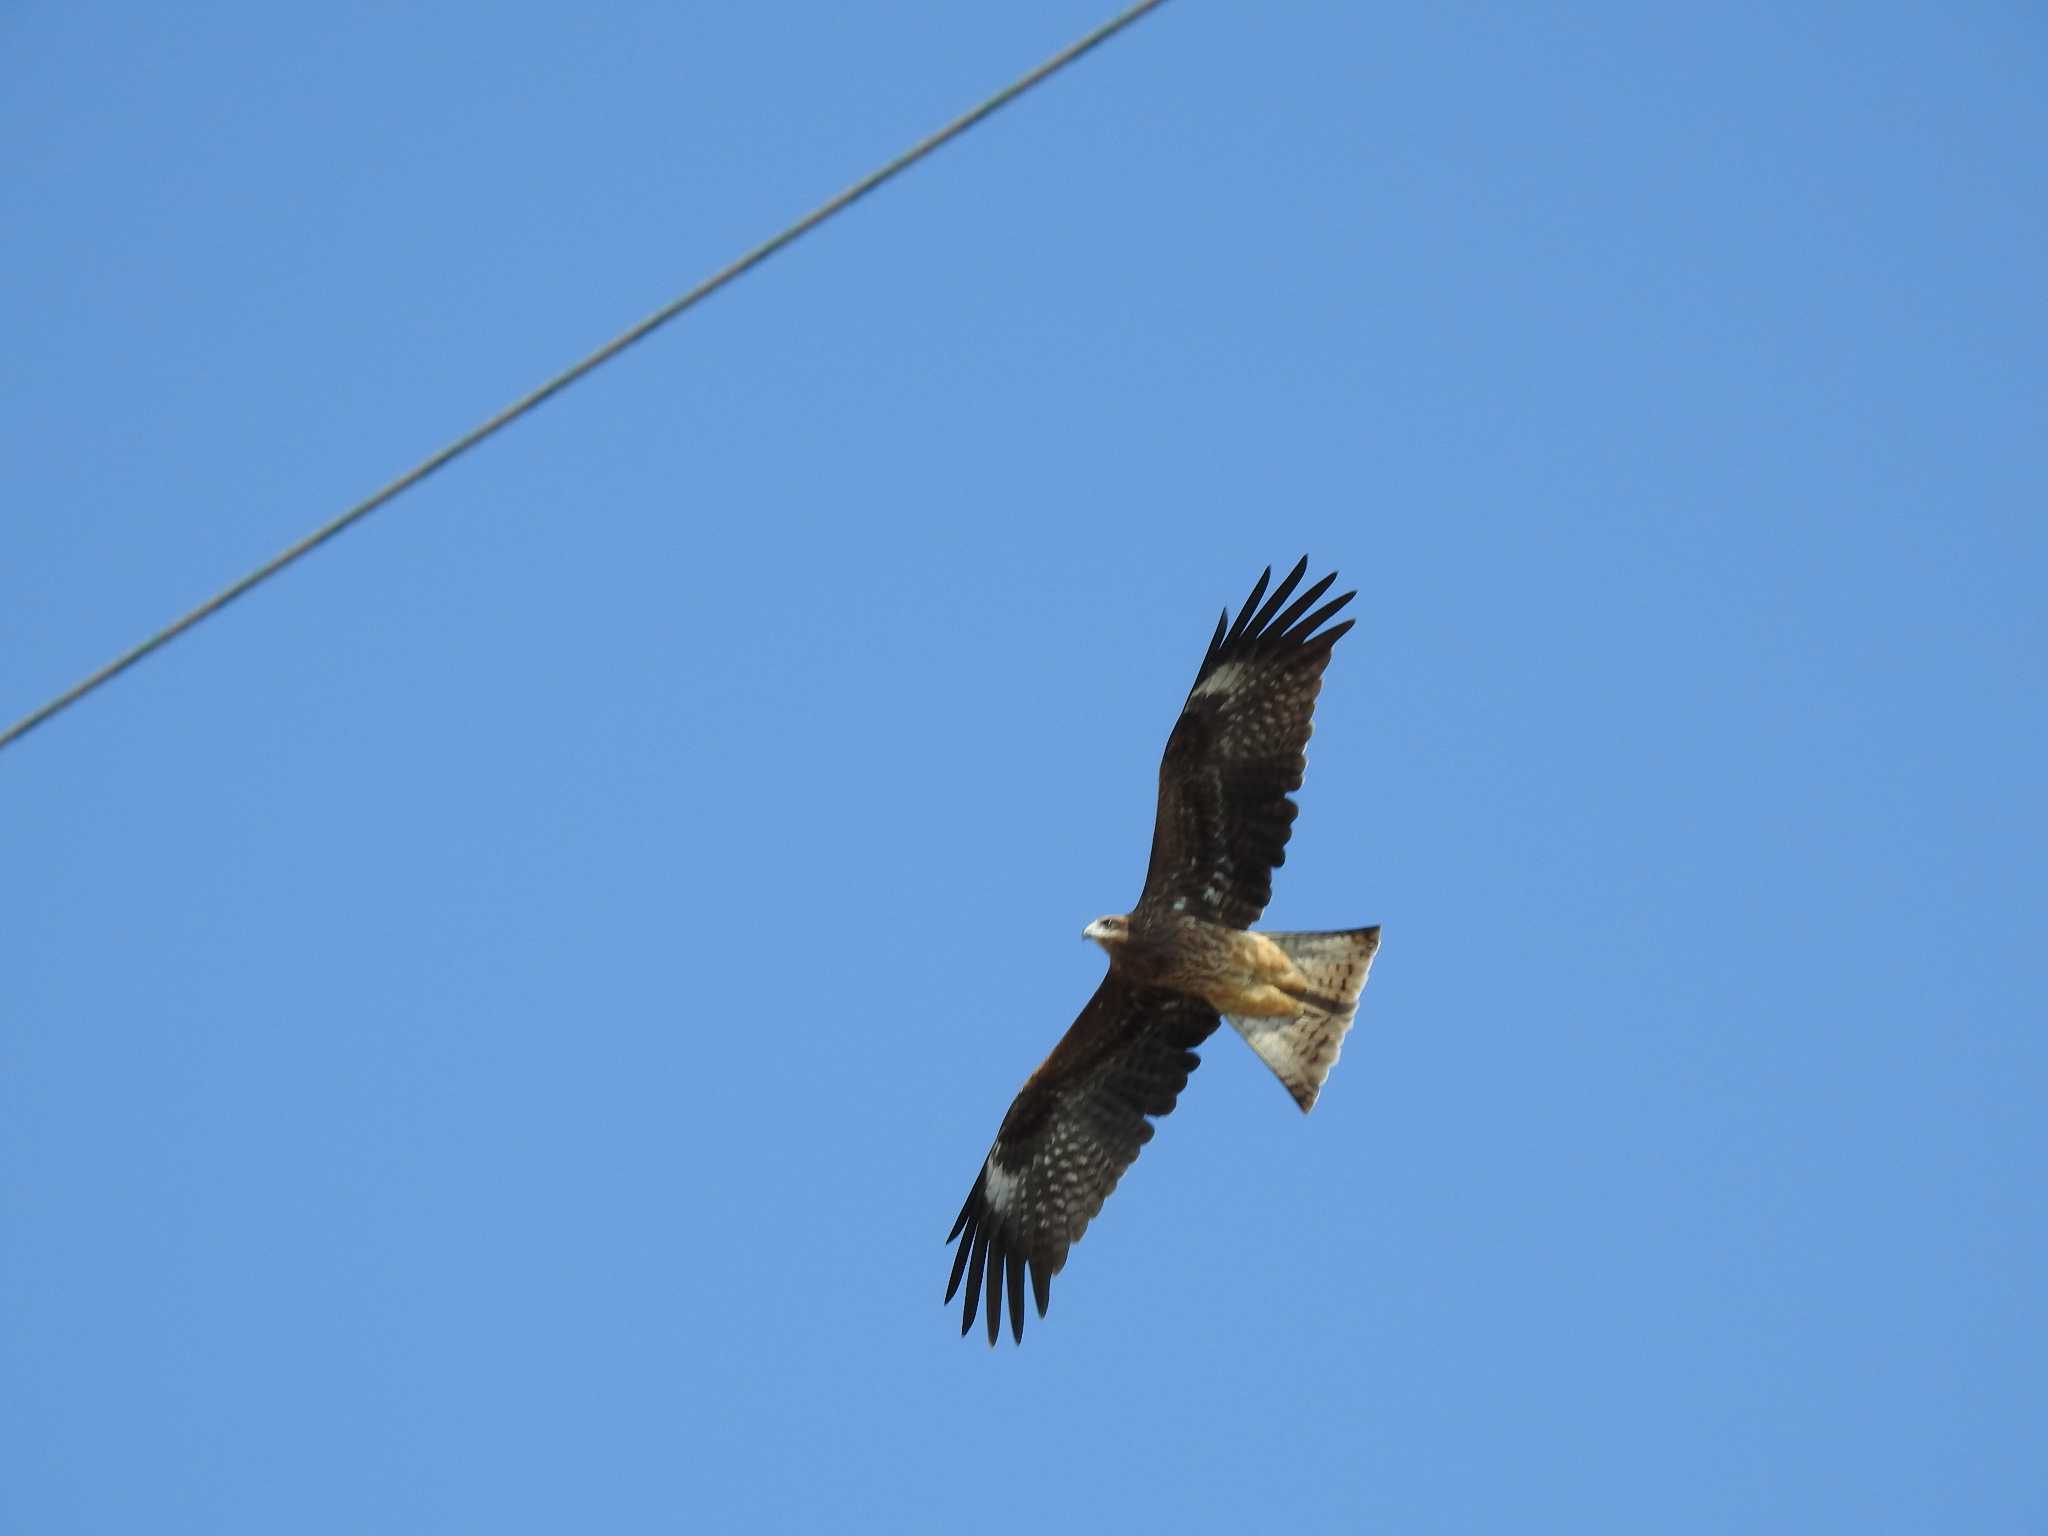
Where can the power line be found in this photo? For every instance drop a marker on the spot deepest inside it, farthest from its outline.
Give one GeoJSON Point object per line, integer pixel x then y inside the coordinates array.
{"type": "Point", "coordinates": [570, 375]}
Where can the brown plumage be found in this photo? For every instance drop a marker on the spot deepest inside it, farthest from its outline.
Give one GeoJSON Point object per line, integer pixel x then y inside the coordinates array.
{"type": "Point", "coordinates": [1178, 960]}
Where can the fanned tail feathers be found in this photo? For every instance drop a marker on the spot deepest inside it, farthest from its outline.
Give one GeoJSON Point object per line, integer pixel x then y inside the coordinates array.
{"type": "Point", "coordinates": [1301, 1048]}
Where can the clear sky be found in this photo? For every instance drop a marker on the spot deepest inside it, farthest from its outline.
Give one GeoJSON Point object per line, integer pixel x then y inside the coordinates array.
{"type": "Point", "coordinates": [495, 1027]}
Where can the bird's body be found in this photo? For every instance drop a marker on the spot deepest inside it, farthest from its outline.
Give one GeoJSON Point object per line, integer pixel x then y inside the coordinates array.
{"type": "Point", "coordinates": [1181, 960]}
{"type": "Point", "coordinates": [1233, 970]}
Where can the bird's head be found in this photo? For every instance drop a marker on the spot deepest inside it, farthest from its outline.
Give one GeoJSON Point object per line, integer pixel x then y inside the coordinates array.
{"type": "Point", "coordinates": [1108, 931]}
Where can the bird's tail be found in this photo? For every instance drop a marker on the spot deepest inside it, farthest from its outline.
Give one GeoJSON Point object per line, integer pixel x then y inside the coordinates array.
{"type": "Point", "coordinates": [1302, 1047]}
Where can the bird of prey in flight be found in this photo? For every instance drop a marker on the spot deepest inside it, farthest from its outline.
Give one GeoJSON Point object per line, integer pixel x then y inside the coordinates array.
{"type": "Point", "coordinates": [1180, 958]}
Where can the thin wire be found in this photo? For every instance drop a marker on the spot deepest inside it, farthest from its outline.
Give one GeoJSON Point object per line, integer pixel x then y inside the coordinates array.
{"type": "Point", "coordinates": [568, 376]}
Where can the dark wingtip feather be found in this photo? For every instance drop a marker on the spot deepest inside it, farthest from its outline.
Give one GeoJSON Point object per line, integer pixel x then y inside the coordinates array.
{"type": "Point", "coordinates": [1015, 1275]}
{"type": "Point", "coordinates": [1269, 624]}
{"type": "Point", "coordinates": [1257, 627]}
{"type": "Point", "coordinates": [960, 1221]}
{"type": "Point", "coordinates": [1244, 614]}
{"type": "Point", "coordinates": [1216, 640]}
{"type": "Point", "coordinates": [1041, 1286]}
{"type": "Point", "coordinates": [1305, 632]}
{"type": "Point", "coordinates": [974, 1279]}
{"type": "Point", "coordinates": [1320, 644]}
{"type": "Point", "coordinates": [995, 1295]}
{"type": "Point", "coordinates": [1285, 623]}
{"type": "Point", "coordinates": [959, 1264]}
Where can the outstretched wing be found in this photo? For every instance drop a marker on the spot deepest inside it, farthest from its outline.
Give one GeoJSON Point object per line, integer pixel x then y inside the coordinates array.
{"type": "Point", "coordinates": [1236, 754]}
{"type": "Point", "coordinates": [1073, 1130]}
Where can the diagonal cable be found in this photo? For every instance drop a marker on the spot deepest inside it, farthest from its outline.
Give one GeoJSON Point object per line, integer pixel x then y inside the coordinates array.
{"type": "Point", "coordinates": [590, 364]}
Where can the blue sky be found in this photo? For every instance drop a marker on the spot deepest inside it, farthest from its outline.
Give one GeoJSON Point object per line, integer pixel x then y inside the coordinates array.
{"type": "Point", "coordinates": [496, 1025]}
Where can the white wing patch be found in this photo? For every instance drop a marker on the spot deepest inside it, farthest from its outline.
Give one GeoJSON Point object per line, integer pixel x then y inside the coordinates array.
{"type": "Point", "coordinates": [1222, 680]}
{"type": "Point", "coordinates": [1000, 1189]}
